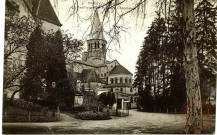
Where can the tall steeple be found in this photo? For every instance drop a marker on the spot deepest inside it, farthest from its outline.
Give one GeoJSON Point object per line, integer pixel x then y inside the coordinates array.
{"type": "Point", "coordinates": [96, 52]}
{"type": "Point", "coordinates": [96, 27]}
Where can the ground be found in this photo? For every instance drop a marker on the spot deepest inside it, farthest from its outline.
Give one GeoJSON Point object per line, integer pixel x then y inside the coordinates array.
{"type": "Point", "coordinates": [136, 122]}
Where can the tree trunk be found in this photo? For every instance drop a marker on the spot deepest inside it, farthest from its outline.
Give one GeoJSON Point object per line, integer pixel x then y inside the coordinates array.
{"type": "Point", "coordinates": [194, 108]}
{"type": "Point", "coordinates": [29, 115]}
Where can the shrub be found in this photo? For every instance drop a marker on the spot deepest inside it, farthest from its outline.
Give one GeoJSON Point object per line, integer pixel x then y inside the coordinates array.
{"type": "Point", "coordinates": [78, 109]}
{"type": "Point", "coordinates": [20, 115]}
{"type": "Point", "coordinates": [89, 115]}
{"type": "Point", "coordinates": [22, 104]}
{"type": "Point", "coordinates": [93, 107]}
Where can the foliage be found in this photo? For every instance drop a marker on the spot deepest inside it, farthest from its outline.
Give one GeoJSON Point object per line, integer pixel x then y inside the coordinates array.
{"type": "Point", "coordinates": [22, 104]}
{"type": "Point", "coordinates": [46, 64]}
{"type": "Point", "coordinates": [56, 72]}
{"type": "Point", "coordinates": [205, 21]}
{"type": "Point", "coordinates": [17, 33]}
{"type": "Point", "coordinates": [15, 114]}
{"type": "Point", "coordinates": [93, 107]}
{"type": "Point", "coordinates": [89, 115]}
{"type": "Point", "coordinates": [145, 101]}
{"type": "Point", "coordinates": [107, 98]}
{"type": "Point", "coordinates": [76, 109]}
{"type": "Point", "coordinates": [33, 82]}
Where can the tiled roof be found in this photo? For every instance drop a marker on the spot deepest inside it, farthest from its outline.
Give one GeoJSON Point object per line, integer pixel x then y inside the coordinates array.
{"type": "Point", "coordinates": [43, 10]}
{"type": "Point", "coordinates": [119, 69]}
{"type": "Point", "coordinates": [82, 62]}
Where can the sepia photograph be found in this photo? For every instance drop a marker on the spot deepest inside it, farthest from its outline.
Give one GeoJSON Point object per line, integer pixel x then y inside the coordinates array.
{"type": "Point", "coordinates": [109, 67]}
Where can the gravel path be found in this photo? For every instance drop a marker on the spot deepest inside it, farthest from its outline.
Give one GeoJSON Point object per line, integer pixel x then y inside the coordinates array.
{"type": "Point", "coordinates": [136, 122]}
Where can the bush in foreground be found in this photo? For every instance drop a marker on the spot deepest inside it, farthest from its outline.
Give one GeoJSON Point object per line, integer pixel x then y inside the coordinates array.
{"type": "Point", "coordinates": [89, 115]}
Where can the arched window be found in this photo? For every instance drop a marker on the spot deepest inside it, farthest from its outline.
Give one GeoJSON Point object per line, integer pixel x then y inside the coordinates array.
{"type": "Point", "coordinates": [116, 80]}
{"type": "Point", "coordinates": [130, 81]}
{"type": "Point", "coordinates": [111, 80]}
{"type": "Point", "coordinates": [95, 45]}
{"type": "Point", "coordinates": [121, 89]}
{"type": "Point", "coordinates": [126, 80]}
{"type": "Point", "coordinates": [131, 89]}
{"type": "Point", "coordinates": [88, 46]}
{"type": "Point", "coordinates": [121, 80]}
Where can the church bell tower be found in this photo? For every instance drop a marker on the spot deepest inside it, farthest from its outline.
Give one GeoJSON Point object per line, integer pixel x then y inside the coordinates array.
{"type": "Point", "coordinates": [96, 43]}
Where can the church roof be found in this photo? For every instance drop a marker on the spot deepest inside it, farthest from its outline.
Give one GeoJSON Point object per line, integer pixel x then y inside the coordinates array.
{"type": "Point", "coordinates": [119, 69]}
{"type": "Point", "coordinates": [114, 85]}
{"type": "Point", "coordinates": [96, 28]}
{"type": "Point", "coordinates": [43, 10]}
{"type": "Point", "coordinates": [84, 63]}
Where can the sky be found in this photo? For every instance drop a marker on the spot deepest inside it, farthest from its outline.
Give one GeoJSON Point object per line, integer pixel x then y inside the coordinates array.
{"type": "Point", "coordinates": [130, 41]}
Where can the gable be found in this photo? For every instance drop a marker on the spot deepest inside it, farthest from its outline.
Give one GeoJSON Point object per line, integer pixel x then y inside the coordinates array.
{"type": "Point", "coordinates": [119, 69]}
{"type": "Point", "coordinates": [43, 10]}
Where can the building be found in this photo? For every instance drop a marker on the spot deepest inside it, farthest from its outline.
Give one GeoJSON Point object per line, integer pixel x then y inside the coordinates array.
{"type": "Point", "coordinates": [41, 10]}
{"type": "Point", "coordinates": [95, 73]}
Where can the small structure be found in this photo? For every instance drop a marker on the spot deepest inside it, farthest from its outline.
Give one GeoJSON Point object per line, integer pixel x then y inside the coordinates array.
{"type": "Point", "coordinates": [122, 104]}
{"type": "Point", "coordinates": [79, 99]}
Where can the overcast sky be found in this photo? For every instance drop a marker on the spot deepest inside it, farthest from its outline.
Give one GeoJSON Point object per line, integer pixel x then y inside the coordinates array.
{"type": "Point", "coordinates": [130, 41]}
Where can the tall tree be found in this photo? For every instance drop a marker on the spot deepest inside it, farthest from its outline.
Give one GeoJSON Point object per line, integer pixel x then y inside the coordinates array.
{"type": "Point", "coordinates": [33, 82]}
{"type": "Point", "coordinates": [205, 15]}
{"type": "Point", "coordinates": [17, 33]}
{"type": "Point", "coordinates": [194, 108]}
{"type": "Point", "coordinates": [56, 72]}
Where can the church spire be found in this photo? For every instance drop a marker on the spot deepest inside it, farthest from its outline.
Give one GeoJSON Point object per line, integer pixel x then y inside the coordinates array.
{"type": "Point", "coordinates": [96, 27]}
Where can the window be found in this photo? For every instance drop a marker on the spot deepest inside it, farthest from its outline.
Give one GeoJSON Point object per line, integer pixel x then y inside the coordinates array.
{"type": "Point", "coordinates": [126, 80]}
{"type": "Point", "coordinates": [121, 89]}
{"type": "Point", "coordinates": [111, 80]}
{"type": "Point", "coordinates": [131, 99]}
{"type": "Point", "coordinates": [116, 80]}
{"type": "Point", "coordinates": [121, 80]}
{"type": "Point", "coordinates": [101, 75]}
{"type": "Point", "coordinates": [130, 81]}
{"type": "Point", "coordinates": [88, 46]}
{"type": "Point", "coordinates": [98, 45]}
{"type": "Point", "coordinates": [105, 74]}
{"type": "Point", "coordinates": [131, 89]}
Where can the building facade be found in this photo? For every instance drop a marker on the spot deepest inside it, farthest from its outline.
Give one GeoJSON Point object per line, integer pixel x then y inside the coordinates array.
{"type": "Point", "coordinates": [95, 73]}
{"type": "Point", "coordinates": [37, 10]}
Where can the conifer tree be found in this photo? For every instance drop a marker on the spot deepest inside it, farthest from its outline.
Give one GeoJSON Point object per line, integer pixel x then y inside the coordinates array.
{"type": "Point", "coordinates": [56, 73]}
{"type": "Point", "coordinates": [33, 82]}
{"type": "Point", "coordinates": [205, 15]}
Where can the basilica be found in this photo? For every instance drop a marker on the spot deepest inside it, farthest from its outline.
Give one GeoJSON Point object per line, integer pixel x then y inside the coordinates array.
{"type": "Point", "coordinates": [95, 73]}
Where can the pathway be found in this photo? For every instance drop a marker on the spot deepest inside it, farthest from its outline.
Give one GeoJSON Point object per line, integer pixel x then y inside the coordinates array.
{"type": "Point", "coordinates": [136, 122]}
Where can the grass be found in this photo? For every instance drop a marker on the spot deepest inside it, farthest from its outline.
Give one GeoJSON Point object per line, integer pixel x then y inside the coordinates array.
{"type": "Point", "coordinates": [15, 114]}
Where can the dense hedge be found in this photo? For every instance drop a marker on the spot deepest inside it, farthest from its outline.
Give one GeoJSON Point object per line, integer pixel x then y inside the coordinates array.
{"type": "Point", "coordinates": [90, 115]}
{"type": "Point", "coordinates": [22, 104]}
